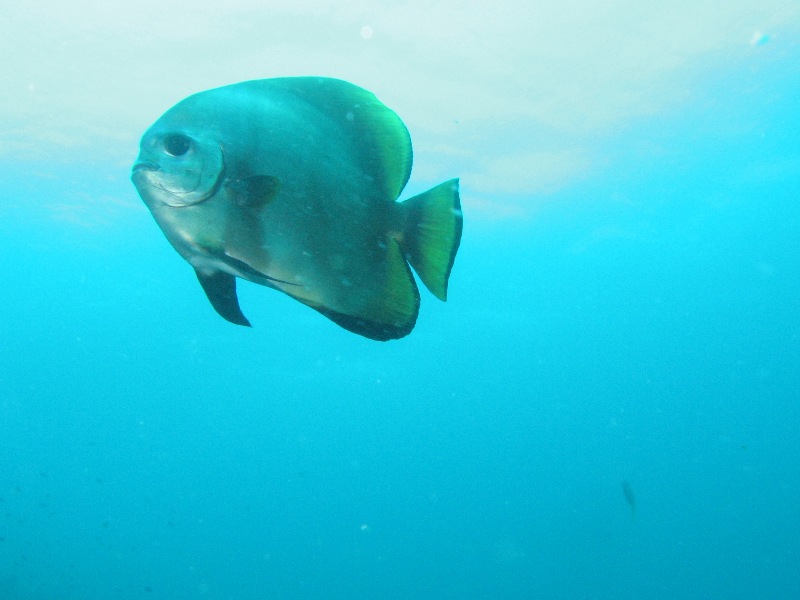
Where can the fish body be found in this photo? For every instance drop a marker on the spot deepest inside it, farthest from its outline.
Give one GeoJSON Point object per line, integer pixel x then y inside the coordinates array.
{"type": "Point", "coordinates": [292, 183]}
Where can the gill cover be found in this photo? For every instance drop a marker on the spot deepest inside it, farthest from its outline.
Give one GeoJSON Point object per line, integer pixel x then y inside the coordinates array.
{"type": "Point", "coordinates": [180, 169]}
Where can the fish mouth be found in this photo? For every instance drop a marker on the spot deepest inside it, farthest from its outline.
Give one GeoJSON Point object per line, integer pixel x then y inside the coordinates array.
{"type": "Point", "coordinates": [145, 165]}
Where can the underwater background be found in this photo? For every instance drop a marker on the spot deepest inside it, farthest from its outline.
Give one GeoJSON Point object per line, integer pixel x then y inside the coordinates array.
{"type": "Point", "coordinates": [605, 408]}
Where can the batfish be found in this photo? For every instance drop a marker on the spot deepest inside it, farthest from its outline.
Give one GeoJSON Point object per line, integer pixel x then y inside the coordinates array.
{"type": "Point", "coordinates": [293, 183]}
{"type": "Point", "coordinates": [627, 491]}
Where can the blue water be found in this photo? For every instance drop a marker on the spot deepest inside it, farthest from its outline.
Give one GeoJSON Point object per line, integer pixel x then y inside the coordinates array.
{"type": "Point", "coordinates": [639, 324]}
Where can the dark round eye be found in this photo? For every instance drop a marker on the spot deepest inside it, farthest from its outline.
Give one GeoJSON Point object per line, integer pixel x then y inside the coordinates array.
{"type": "Point", "coordinates": [177, 145]}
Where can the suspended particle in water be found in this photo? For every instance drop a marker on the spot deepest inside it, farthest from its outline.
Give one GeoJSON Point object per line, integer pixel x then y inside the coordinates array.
{"type": "Point", "coordinates": [759, 38]}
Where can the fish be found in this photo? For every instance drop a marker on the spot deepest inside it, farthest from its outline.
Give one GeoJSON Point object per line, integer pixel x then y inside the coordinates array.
{"type": "Point", "coordinates": [627, 491]}
{"type": "Point", "coordinates": [293, 183]}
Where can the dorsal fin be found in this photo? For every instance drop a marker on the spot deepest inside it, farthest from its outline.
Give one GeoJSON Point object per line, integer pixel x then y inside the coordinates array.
{"type": "Point", "coordinates": [381, 141]}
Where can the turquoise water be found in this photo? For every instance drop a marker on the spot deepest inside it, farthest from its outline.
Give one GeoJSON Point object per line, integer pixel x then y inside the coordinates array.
{"type": "Point", "coordinates": [635, 319]}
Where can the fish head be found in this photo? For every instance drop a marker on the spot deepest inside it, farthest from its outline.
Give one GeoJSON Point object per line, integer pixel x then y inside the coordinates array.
{"type": "Point", "coordinates": [177, 166]}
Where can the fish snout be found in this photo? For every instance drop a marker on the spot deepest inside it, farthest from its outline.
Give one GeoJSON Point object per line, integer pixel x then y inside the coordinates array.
{"type": "Point", "coordinates": [145, 165]}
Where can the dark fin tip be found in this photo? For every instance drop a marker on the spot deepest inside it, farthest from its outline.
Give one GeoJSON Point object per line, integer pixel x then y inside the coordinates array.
{"type": "Point", "coordinates": [380, 332]}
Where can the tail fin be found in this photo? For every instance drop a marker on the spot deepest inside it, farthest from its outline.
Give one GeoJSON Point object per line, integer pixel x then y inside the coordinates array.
{"type": "Point", "coordinates": [432, 233]}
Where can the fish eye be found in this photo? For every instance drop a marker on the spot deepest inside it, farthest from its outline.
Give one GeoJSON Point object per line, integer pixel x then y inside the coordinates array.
{"type": "Point", "coordinates": [177, 145]}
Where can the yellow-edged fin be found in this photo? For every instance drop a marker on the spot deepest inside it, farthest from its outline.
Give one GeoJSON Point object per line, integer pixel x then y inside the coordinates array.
{"type": "Point", "coordinates": [432, 233]}
{"type": "Point", "coordinates": [393, 312]}
{"type": "Point", "coordinates": [380, 141]}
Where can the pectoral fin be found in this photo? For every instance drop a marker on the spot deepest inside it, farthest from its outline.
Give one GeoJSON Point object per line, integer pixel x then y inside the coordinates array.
{"type": "Point", "coordinates": [253, 192]}
{"type": "Point", "coordinates": [220, 287]}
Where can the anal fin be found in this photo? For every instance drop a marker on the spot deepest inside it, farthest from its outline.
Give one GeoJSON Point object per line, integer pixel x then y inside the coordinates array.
{"type": "Point", "coordinates": [220, 287]}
